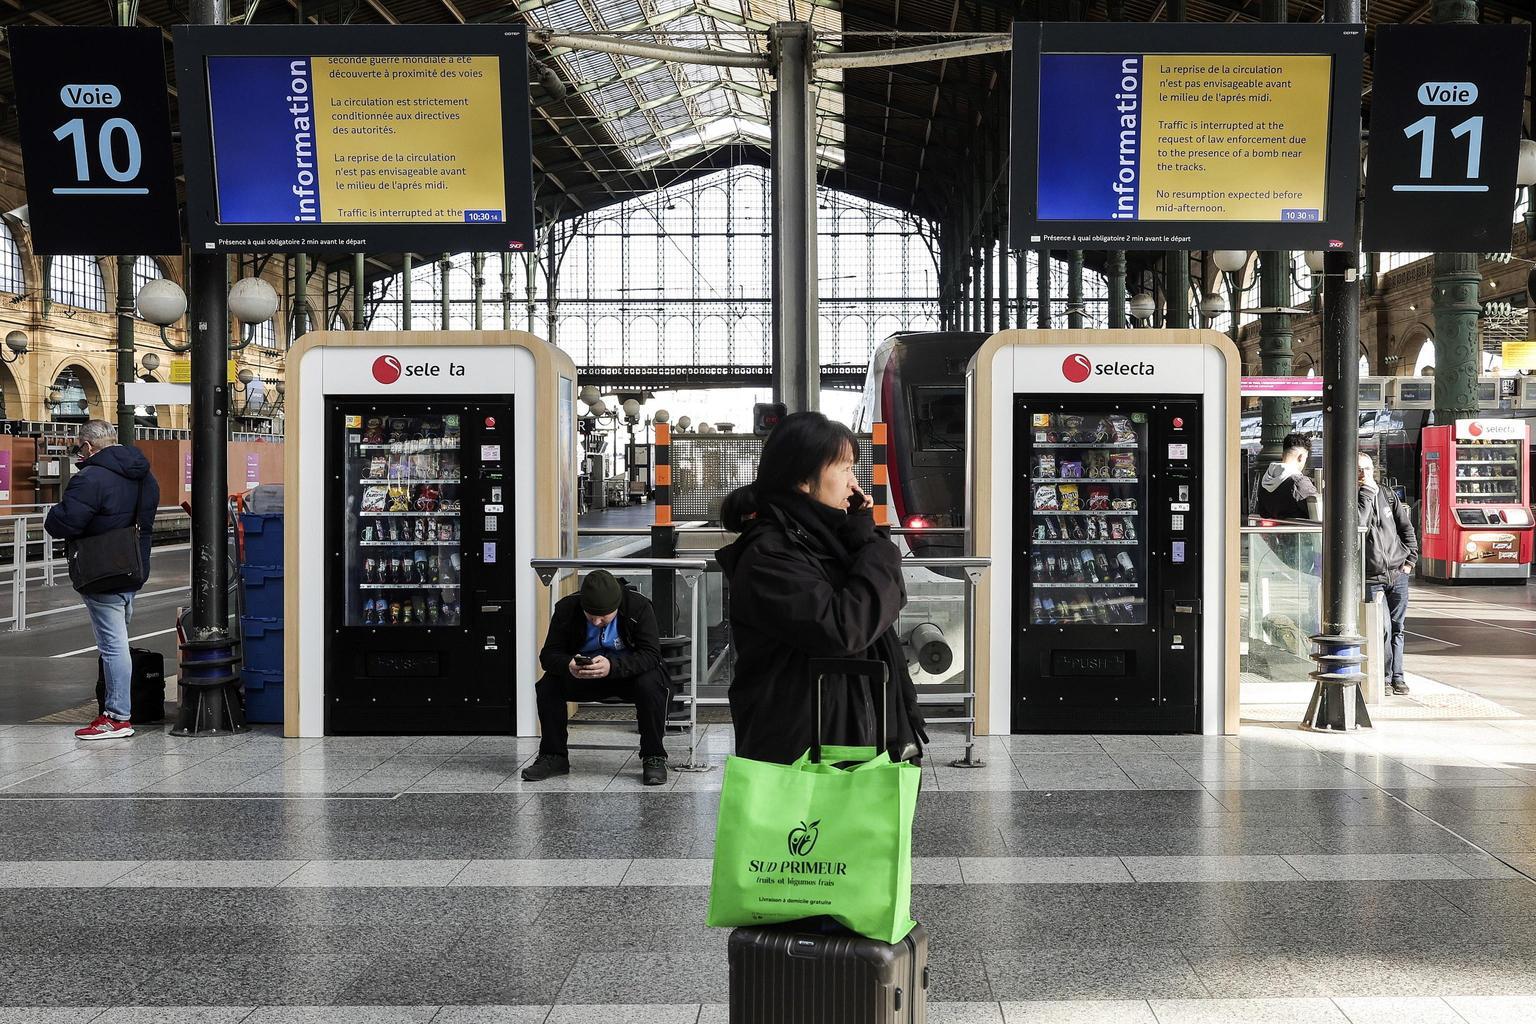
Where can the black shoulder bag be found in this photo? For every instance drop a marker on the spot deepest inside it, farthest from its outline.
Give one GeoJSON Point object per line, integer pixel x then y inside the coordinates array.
{"type": "Point", "coordinates": [110, 562]}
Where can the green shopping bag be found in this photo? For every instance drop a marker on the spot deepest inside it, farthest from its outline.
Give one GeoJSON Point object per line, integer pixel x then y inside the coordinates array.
{"type": "Point", "coordinates": [810, 839]}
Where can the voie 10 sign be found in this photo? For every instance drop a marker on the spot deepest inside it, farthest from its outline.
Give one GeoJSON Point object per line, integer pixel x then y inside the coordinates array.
{"type": "Point", "coordinates": [1444, 142]}
{"type": "Point", "coordinates": [1184, 136]}
{"type": "Point", "coordinates": [95, 131]}
{"type": "Point", "coordinates": [356, 137]}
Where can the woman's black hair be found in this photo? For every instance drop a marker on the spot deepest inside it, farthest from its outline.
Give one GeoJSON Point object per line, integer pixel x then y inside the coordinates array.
{"type": "Point", "coordinates": [795, 453]}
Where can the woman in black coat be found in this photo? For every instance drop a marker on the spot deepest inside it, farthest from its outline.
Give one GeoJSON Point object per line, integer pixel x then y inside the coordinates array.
{"type": "Point", "coordinates": [812, 577]}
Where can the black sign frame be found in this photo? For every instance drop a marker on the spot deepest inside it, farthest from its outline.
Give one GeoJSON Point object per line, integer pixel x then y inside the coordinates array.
{"type": "Point", "coordinates": [194, 44]}
{"type": "Point", "coordinates": [1336, 228]}
{"type": "Point", "coordinates": [107, 211]}
{"type": "Point", "coordinates": [1403, 213]}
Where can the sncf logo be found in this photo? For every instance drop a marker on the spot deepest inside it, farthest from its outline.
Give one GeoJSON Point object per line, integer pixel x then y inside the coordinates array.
{"type": "Point", "coordinates": [386, 369]}
{"type": "Point", "coordinates": [1076, 368]}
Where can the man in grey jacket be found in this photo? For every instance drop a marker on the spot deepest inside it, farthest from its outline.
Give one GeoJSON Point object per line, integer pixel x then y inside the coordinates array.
{"type": "Point", "coordinates": [1391, 551]}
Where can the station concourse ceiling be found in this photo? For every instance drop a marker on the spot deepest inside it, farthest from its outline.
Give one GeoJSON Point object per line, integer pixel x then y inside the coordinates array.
{"type": "Point", "coordinates": [626, 126]}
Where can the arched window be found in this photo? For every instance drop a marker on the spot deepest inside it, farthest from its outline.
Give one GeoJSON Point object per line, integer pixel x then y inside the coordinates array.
{"type": "Point", "coordinates": [145, 270]}
{"type": "Point", "coordinates": [12, 278]}
{"type": "Point", "coordinates": [76, 281]}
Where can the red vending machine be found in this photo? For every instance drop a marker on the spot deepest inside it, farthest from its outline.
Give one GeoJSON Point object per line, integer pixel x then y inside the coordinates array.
{"type": "Point", "coordinates": [1476, 517]}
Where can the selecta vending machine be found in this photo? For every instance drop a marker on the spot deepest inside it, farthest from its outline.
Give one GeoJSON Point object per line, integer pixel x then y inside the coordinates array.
{"type": "Point", "coordinates": [1475, 521]}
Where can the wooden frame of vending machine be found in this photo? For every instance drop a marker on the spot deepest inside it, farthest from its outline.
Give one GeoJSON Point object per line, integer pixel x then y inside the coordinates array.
{"type": "Point", "coordinates": [541, 380]}
{"type": "Point", "coordinates": [1475, 522]}
{"type": "Point", "coordinates": [1197, 369]}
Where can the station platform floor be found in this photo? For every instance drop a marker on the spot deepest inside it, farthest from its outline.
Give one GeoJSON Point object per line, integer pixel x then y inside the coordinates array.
{"type": "Point", "coordinates": [1275, 876]}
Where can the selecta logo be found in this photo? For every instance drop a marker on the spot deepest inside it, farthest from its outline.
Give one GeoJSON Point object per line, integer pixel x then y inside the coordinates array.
{"type": "Point", "coordinates": [386, 369]}
{"type": "Point", "coordinates": [1476, 429]}
{"type": "Point", "coordinates": [1078, 368]}
{"type": "Point", "coordinates": [802, 838]}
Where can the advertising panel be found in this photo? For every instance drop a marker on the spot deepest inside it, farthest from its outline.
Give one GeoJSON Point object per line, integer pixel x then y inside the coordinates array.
{"type": "Point", "coordinates": [1446, 103]}
{"type": "Point", "coordinates": [358, 137]}
{"type": "Point", "coordinates": [95, 129]}
{"type": "Point", "coordinates": [1184, 136]}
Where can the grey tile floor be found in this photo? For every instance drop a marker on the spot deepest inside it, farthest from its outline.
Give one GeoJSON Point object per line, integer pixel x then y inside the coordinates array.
{"type": "Point", "coordinates": [1274, 876]}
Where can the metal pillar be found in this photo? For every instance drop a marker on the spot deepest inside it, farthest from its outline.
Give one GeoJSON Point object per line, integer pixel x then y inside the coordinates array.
{"type": "Point", "coordinates": [1021, 287]}
{"type": "Point", "coordinates": [359, 307]}
{"type": "Point", "coordinates": [477, 262]}
{"type": "Point", "coordinates": [1176, 282]}
{"type": "Point", "coordinates": [1043, 290]}
{"type": "Point", "coordinates": [1002, 281]}
{"type": "Point", "coordinates": [531, 289]}
{"type": "Point", "coordinates": [1454, 293]}
{"type": "Point", "coordinates": [125, 359]}
{"type": "Point", "coordinates": [986, 286]}
{"type": "Point", "coordinates": [1075, 289]}
{"type": "Point", "coordinates": [506, 291]}
{"type": "Point", "coordinates": [1337, 703]}
{"type": "Point", "coordinates": [445, 310]}
{"type": "Point", "coordinates": [1115, 272]}
{"type": "Point", "coordinates": [405, 291]}
{"type": "Point", "coordinates": [300, 297]}
{"type": "Point", "coordinates": [209, 684]}
{"type": "Point", "coordinates": [1275, 357]}
{"type": "Point", "coordinates": [792, 163]}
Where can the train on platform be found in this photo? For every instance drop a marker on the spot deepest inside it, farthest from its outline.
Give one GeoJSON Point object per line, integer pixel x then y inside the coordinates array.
{"type": "Point", "coordinates": [916, 386]}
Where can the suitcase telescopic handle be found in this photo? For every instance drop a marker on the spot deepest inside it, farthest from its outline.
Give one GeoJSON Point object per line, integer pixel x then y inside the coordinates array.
{"type": "Point", "coordinates": [869, 669]}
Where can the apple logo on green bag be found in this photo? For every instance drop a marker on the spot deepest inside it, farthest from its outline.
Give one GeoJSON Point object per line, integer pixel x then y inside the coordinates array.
{"type": "Point", "coordinates": [802, 838]}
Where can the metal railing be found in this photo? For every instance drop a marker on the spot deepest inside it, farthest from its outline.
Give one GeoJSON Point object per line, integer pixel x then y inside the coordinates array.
{"type": "Point", "coordinates": [973, 568]}
{"type": "Point", "coordinates": [552, 570]}
{"type": "Point", "coordinates": [50, 428]}
{"type": "Point", "coordinates": [21, 527]}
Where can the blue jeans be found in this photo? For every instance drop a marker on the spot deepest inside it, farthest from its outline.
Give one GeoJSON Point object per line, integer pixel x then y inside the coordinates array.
{"type": "Point", "coordinates": [110, 615]}
{"type": "Point", "coordinates": [1396, 589]}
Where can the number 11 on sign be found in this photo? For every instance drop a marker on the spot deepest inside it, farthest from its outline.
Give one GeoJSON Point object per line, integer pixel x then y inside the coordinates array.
{"type": "Point", "coordinates": [1424, 127]}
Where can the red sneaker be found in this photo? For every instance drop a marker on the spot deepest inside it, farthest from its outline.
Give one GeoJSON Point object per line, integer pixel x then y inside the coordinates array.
{"type": "Point", "coordinates": [105, 728]}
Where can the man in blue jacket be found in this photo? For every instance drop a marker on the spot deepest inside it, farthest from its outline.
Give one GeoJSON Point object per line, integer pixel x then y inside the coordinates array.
{"type": "Point", "coordinates": [113, 488]}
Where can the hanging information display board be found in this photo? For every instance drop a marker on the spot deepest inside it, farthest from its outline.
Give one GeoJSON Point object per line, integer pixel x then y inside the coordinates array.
{"type": "Point", "coordinates": [1446, 103]}
{"type": "Point", "coordinates": [1184, 136]}
{"type": "Point", "coordinates": [95, 130]}
{"type": "Point", "coordinates": [356, 137]}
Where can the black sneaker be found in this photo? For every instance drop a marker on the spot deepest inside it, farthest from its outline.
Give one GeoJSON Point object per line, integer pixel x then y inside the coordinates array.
{"type": "Point", "coordinates": [1400, 687]}
{"type": "Point", "coordinates": [653, 771]}
{"type": "Point", "coordinates": [546, 765]}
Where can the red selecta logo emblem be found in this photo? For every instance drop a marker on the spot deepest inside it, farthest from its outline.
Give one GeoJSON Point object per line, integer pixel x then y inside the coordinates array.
{"type": "Point", "coordinates": [1476, 429]}
{"type": "Point", "coordinates": [386, 369]}
{"type": "Point", "coordinates": [1076, 367]}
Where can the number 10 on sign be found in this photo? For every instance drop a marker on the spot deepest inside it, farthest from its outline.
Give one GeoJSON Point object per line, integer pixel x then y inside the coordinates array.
{"type": "Point", "coordinates": [1424, 128]}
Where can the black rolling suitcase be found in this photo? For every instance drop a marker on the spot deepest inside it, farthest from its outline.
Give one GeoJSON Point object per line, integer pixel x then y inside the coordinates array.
{"type": "Point", "coordinates": [794, 974]}
{"type": "Point", "coordinates": [147, 695]}
{"type": "Point", "coordinates": [816, 971]}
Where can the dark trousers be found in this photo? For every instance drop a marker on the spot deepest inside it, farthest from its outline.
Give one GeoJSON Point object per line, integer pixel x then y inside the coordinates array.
{"type": "Point", "coordinates": [648, 692]}
{"type": "Point", "coordinates": [1396, 589]}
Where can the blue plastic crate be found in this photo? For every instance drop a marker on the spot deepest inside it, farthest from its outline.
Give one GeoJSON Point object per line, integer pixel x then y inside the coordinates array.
{"type": "Point", "coordinates": [262, 643]}
{"type": "Point", "coordinates": [265, 704]}
{"type": "Point", "coordinates": [259, 679]}
{"type": "Point", "coordinates": [263, 587]}
{"type": "Point", "coordinates": [263, 539]}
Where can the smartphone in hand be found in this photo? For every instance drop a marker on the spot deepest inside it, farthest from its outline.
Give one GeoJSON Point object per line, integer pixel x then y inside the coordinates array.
{"type": "Point", "coordinates": [583, 659]}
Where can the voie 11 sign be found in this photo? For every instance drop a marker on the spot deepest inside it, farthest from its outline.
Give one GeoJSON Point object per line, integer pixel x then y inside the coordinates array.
{"type": "Point", "coordinates": [95, 133]}
{"type": "Point", "coordinates": [357, 137]}
{"type": "Point", "coordinates": [1184, 136]}
{"type": "Point", "coordinates": [1444, 143]}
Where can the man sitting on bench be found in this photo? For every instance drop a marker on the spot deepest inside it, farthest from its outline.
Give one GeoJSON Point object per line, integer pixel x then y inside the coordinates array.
{"type": "Point", "coordinates": [602, 643]}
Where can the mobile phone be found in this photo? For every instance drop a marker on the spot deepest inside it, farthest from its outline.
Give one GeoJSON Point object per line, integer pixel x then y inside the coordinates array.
{"type": "Point", "coordinates": [583, 659]}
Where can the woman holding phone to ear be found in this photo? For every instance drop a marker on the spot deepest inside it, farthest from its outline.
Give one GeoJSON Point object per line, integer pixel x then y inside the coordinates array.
{"type": "Point", "coordinates": [811, 576]}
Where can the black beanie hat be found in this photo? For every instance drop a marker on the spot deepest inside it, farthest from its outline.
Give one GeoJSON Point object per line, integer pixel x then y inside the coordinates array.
{"type": "Point", "coordinates": [600, 592]}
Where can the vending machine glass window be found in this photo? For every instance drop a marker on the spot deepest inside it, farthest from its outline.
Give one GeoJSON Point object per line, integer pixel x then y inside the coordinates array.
{"type": "Point", "coordinates": [402, 552]}
{"type": "Point", "coordinates": [1488, 472]}
{"type": "Point", "coordinates": [1087, 498]}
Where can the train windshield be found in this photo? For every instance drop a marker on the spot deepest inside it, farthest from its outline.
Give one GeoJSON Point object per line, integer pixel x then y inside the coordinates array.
{"type": "Point", "coordinates": [938, 418]}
